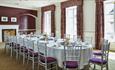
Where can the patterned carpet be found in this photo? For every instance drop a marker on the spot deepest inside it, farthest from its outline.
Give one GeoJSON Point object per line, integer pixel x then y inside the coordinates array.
{"type": "Point", "coordinates": [8, 63]}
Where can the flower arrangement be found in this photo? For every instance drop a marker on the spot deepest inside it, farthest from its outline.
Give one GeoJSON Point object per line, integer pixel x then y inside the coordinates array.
{"type": "Point", "coordinates": [67, 41]}
{"type": "Point", "coordinates": [45, 36]}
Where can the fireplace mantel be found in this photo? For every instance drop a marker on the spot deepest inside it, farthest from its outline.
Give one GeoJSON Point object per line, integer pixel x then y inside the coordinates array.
{"type": "Point", "coordinates": [8, 27]}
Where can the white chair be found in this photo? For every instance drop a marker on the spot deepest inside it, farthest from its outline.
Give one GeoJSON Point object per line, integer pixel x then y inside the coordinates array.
{"type": "Point", "coordinates": [7, 43]}
{"type": "Point", "coordinates": [72, 56]}
{"type": "Point", "coordinates": [22, 49]}
{"type": "Point", "coordinates": [32, 55]}
{"type": "Point", "coordinates": [13, 45]}
{"type": "Point", "coordinates": [97, 53]}
{"type": "Point", "coordinates": [43, 58]}
{"type": "Point", "coordinates": [102, 59]}
{"type": "Point", "coordinates": [18, 47]}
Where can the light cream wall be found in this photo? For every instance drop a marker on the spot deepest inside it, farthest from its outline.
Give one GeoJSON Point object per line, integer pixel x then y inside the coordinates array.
{"type": "Point", "coordinates": [89, 19]}
{"type": "Point", "coordinates": [38, 21]}
{"type": "Point", "coordinates": [58, 19]}
{"type": "Point", "coordinates": [112, 46]}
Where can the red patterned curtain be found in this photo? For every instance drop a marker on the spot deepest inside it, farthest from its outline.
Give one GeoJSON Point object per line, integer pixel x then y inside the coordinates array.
{"type": "Point", "coordinates": [64, 5]}
{"type": "Point", "coordinates": [99, 25]}
{"type": "Point", "coordinates": [63, 25]}
{"type": "Point", "coordinates": [47, 8]}
{"type": "Point", "coordinates": [53, 22]}
{"type": "Point", "coordinates": [80, 21]}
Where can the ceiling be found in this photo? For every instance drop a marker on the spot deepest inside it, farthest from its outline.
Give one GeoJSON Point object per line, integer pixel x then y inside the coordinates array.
{"type": "Point", "coordinates": [28, 4]}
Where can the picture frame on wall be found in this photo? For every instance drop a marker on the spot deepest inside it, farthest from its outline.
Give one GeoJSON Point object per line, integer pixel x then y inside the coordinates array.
{"type": "Point", "coordinates": [13, 19]}
{"type": "Point", "coordinates": [4, 19]}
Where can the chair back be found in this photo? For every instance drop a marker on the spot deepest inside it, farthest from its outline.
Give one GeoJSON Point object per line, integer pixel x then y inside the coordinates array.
{"type": "Point", "coordinates": [105, 49]}
{"type": "Point", "coordinates": [42, 50]}
{"type": "Point", "coordinates": [30, 48]}
{"type": "Point", "coordinates": [72, 52]}
{"type": "Point", "coordinates": [11, 40]}
{"type": "Point", "coordinates": [25, 42]}
{"type": "Point", "coordinates": [7, 39]}
{"type": "Point", "coordinates": [20, 41]}
{"type": "Point", "coordinates": [14, 39]}
{"type": "Point", "coordinates": [31, 44]}
{"type": "Point", "coordinates": [102, 56]}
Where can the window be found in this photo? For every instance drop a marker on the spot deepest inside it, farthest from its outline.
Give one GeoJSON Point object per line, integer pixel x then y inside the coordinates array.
{"type": "Point", "coordinates": [47, 22]}
{"type": "Point", "coordinates": [109, 20]}
{"type": "Point", "coordinates": [71, 23]}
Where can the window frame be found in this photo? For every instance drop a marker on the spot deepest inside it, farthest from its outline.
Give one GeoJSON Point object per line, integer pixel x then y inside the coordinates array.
{"type": "Point", "coordinates": [105, 33]}
{"type": "Point", "coordinates": [47, 23]}
{"type": "Point", "coordinates": [44, 9]}
{"type": "Point", "coordinates": [79, 4]}
{"type": "Point", "coordinates": [74, 10]}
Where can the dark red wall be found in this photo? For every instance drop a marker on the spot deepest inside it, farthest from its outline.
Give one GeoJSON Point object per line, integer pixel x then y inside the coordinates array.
{"type": "Point", "coordinates": [24, 21]}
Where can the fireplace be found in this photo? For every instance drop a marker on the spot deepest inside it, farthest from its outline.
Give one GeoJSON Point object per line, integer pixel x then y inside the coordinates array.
{"type": "Point", "coordinates": [8, 30]}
